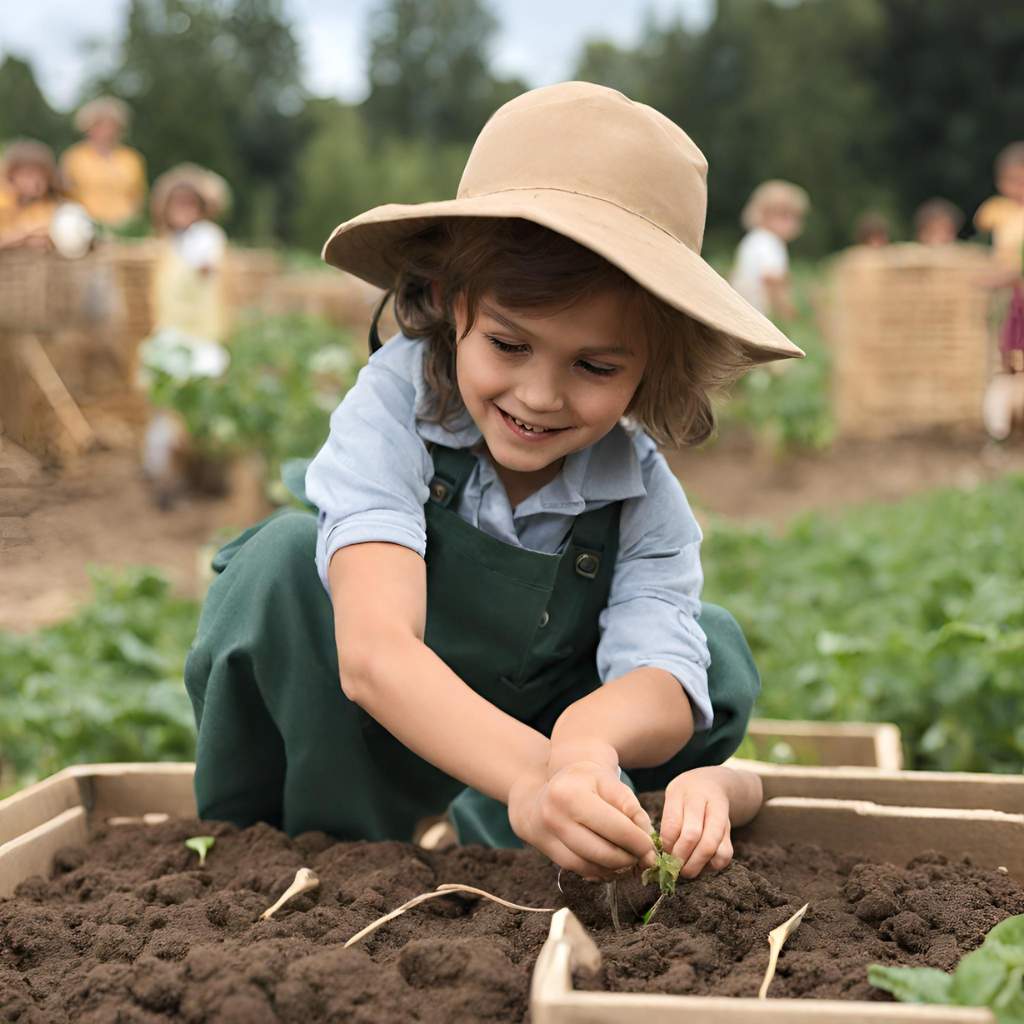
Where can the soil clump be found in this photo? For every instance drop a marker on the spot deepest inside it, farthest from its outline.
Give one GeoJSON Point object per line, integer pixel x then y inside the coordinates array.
{"type": "Point", "coordinates": [130, 930]}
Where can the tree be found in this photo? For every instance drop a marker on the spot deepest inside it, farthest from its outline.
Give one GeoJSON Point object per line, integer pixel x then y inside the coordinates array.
{"type": "Point", "coordinates": [24, 112]}
{"type": "Point", "coordinates": [217, 82]}
{"type": "Point", "coordinates": [429, 70]}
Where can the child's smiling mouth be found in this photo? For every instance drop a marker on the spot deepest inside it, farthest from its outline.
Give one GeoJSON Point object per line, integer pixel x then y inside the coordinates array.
{"type": "Point", "coordinates": [528, 431]}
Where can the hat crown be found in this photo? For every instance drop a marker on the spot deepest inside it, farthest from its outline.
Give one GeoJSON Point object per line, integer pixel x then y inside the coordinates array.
{"type": "Point", "coordinates": [594, 141]}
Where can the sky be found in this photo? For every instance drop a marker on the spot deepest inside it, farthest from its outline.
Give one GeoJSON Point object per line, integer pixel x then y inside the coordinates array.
{"type": "Point", "coordinates": [539, 40]}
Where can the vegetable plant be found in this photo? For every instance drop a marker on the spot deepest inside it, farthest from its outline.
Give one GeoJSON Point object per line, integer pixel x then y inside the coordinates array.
{"type": "Point", "coordinates": [664, 871]}
{"type": "Point", "coordinates": [202, 845]}
{"type": "Point", "coordinates": [992, 976]}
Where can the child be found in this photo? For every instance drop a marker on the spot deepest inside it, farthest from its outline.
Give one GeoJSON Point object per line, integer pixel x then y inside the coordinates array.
{"type": "Point", "coordinates": [30, 174]}
{"type": "Point", "coordinates": [189, 317]}
{"type": "Point", "coordinates": [105, 176]}
{"type": "Point", "coordinates": [774, 216]}
{"type": "Point", "coordinates": [937, 222]}
{"type": "Point", "coordinates": [510, 572]}
{"type": "Point", "coordinates": [871, 230]}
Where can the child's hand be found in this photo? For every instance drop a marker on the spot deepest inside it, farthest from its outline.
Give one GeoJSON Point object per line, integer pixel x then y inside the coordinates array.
{"type": "Point", "coordinates": [584, 818]}
{"type": "Point", "coordinates": [695, 825]}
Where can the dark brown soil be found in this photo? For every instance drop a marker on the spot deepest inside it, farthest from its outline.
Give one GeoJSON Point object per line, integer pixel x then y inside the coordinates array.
{"type": "Point", "coordinates": [131, 931]}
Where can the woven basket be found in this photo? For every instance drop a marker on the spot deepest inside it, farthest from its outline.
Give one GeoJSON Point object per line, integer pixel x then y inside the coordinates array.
{"type": "Point", "coordinates": [41, 293]}
{"type": "Point", "coordinates": [909, 329]}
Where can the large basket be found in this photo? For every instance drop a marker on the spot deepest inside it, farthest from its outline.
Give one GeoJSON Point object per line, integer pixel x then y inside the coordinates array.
{"type": "Point", "coordinates": [42, 293]}
{"type": "Point", "coordinates": [910, 337]}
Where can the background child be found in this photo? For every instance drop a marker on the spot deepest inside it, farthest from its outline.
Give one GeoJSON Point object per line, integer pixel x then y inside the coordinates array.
{"type": "Point", "coordinates": [100, 172]}
{"type": "Point", "coordinates": [937, 222]}
{"type": "Point", "coordinates": [30, 173]}
{"type": "Point", "coordinates": [189, 315]}
{"type": "Point", "coordinates": [507, 594]}
{"type": "Point", "coordinates": [872, 230]}
{"type": "Point", "coordinates": [774, 216]}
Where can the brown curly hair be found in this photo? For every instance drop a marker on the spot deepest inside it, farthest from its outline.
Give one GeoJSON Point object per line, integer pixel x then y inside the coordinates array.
{"type": "Point", "coordinates": [525, 266]}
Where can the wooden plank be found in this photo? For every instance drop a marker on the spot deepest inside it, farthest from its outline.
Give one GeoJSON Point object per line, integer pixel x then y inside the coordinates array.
{"type": "Point", "coordinates": [36, 805]}
{"type": "Point", "coordinates": [905, 788]}
{"type": "Point", "coordinates": [39, 368]}
{"type": "Point", "coordinates": [897, 834]}
{"type": "Point", "coordinates": [867, 744]}
{"type": "Point", "coordinates": [136, 789]}
{"type": "Point", "coordinates": [32, 853]}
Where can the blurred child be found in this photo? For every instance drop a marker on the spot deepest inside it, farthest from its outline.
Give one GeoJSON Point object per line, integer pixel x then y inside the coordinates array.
{"type": "Point", "coordinates": [34, 194]}
{"type": "Point", "coordinates": [937, 222]}
{"type": "Point", "coordinates": [105, 176]}
{"type": "Point", "coordinates": [872, 230]}
{"type": "Point", "coordinates": [1002, 216]}
{"type": "Point", "coordinates": [189, 315]}
{"type": "Point", "coordinates": [501, 589]}
{"type": "Point", "coordinates": [774, 216]}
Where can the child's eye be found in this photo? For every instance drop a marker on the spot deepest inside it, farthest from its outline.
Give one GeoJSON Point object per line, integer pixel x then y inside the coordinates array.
{"type": "Point", "coordinates": [503, 346]}
{"type": "Point", "coordinates": [598, 371]}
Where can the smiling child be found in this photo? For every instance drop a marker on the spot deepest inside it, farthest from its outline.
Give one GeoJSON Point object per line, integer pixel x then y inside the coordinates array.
{"type": "Point", "coordinates": [508, 609]}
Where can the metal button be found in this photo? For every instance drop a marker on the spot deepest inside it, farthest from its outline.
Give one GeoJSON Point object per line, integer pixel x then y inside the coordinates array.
{"type": "Point", "coordinates": [544, 619]}
{"type": "Point", "coordinates": [438, 491]}
{"type": "Point", "coordinates": [587, 565]}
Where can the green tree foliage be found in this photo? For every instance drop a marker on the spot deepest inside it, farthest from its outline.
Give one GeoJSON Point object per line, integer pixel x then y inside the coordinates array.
{"type": "Point", "coordinates": [217, 82]}
{"type": "Point", "coordinates": [24, 112]}
{"type": "Point", "coordinates": [429, 70]}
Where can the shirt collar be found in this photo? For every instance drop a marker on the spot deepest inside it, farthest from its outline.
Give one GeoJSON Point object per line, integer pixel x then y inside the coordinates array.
{"type": "Point", "coordinates": [606, 471]}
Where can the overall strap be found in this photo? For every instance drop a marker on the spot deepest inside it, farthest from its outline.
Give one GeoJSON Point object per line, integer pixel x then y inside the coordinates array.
{"type": "Point", "coordinates": [591, 534]}
{"type": "Point", "coordinates": [375, 342]}
{"type": "Point", "coordinates": [452, 467]}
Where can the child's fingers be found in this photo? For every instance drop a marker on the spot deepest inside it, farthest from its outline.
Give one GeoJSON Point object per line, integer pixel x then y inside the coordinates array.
{"type": "Point", "coordinates": [571, 861]}
{"type": "Point", "coordinates": [693, 807]}
{"type": "Point", "coordinates": [672, 816]}
{"type": "Point", "coordinates": [594, 849]}
{"type": "Point", "coordinates": [716, 825]}
{"type": "Point", "coordinates": [613, 826]}
{"type": "Point", "coordinates": [723, 856]}
{"type": "Point", "coordinates": [638, 840]}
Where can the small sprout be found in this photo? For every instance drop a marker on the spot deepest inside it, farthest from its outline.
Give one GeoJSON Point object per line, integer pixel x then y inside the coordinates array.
{"type": "Point", "coordinates": [202, 845]}
{"type": "Point", "coordinates": [665, 872]}
{"type": "Point", "coordinates": [305, 880]}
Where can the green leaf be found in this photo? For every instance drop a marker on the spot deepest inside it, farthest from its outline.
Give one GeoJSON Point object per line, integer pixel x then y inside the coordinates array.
{"type": "Point", "coordinates": [202, 845]}
{"type": "Point", "coordinates": [665, 870]}
{"type": "Point", "coordinates": [912, 984]}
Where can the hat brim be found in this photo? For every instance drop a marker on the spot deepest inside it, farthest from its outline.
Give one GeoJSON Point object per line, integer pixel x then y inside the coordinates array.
{"type": "Point", "coordinates": [365, 247]}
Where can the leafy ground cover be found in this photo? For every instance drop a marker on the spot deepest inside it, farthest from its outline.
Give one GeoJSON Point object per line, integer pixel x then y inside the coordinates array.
{"type": "Point", "coordinates": [912, 613]}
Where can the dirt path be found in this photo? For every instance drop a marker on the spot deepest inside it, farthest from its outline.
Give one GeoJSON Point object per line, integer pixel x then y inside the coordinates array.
{"type": "Point", "coordinates": [53, 525]}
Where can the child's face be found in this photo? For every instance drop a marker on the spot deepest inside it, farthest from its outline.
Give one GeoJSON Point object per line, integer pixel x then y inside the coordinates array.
{"type": "Point", "coordinates": [105, 131]}
{"type": "Point", "coordinates": [30, 181]}
{"type": "Point", "coordinates": [784, 223]}
{"type": "Point", "coordinates": [184, 208]}
{"type": "Point", "coordinates": [937, 231]}
{"type": "Point", "coordinates": [1010, 182]}
{"type": "Point", "coordinates": [571, 372]}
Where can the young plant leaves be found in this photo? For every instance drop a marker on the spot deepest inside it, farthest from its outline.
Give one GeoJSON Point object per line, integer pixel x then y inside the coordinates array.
{"type": "Point", "coordinates": [992, 976]}
{"type": "Point", "coordinates": [665, 870]}
{"type": "Point", "coordinates": [202, 845]}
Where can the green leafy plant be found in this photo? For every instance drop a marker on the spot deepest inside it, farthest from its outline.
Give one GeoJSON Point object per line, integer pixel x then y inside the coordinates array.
{"type": "Point", "coordinates": [910, 613]}
{"type": "Point", "coordinates": [992, 976]}
{"type": "Point", "coordinates": [664, 871]}
{"type": "Point", "coordinates": [103, 685]}
{"type": "Point", "coordinates": [202, 845]}
{"type": "Point", "coordinates": [286, 377]}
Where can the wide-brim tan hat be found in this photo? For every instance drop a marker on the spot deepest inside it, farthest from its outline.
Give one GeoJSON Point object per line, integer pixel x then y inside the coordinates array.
{"type": "Point", "coordinates": [103, 106]}
{"type": "Point", "coordinates": [29, 151]}
{"type": "Point", "coordinates": [616, 176]}
{"type": "Point", "coordinates": [211, 188]}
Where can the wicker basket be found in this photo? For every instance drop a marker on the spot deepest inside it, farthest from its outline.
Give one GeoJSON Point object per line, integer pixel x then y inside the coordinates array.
{"type": "Point", "coordinates": [41, 293]}
{"type": "Point", "coordinates": [909, 330]}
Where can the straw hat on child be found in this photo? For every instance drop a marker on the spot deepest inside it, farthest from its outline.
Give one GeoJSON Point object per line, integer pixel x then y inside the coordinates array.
{"type": "Point", "coordinates": [211, 188]}
{"type": "Point", "coordinates": [616, 176]}
{"type": "Point", "coordinates": [104, 106]}
{"type": "Point", "coordinates": [28, 151]}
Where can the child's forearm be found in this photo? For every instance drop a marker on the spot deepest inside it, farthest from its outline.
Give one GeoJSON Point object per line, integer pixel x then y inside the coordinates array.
{"type": "Point", "coordinates": [637, 721]}
{"type": "Point", "coordinates": [743, 788]}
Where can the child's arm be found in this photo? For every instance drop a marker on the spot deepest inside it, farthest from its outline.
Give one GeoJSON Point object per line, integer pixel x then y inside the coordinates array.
{"type": "Point", "coordinates": [379, 593]}
{"type": "Point", "coordinates": [701, 806]}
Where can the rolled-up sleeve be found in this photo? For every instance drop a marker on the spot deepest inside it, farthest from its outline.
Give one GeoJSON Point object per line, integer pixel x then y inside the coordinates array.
{"type": "Point", "coordinates": [651, 618]}
{"type": "Point", "coordinates": [370, 480]}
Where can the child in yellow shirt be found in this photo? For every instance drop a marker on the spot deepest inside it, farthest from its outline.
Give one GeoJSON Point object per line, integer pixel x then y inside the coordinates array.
{"type": "Point", "coordinates": [29, 175]}
{"type": "Point", "coordinates": [105, 176]}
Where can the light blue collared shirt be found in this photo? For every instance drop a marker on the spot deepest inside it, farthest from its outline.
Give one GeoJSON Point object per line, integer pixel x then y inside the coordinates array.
{"type": "Point", "coordinates": [371, 480]}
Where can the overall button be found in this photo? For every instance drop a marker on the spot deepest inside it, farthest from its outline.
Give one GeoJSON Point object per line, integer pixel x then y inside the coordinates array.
{"type": "Point", "coordinates": [544, 619]}
{"type": "Point", "coordinates": [438, 491]}
{"type": "Point", "coordinates": [586, 565]}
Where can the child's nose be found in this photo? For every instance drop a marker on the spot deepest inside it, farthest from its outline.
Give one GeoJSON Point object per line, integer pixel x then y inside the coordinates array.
{"type": "Point", "coordinates": [540, 394]}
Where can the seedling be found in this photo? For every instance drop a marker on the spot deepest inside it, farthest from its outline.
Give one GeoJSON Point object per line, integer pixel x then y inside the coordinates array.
{"type": "Point", "coordinates": [665, 872]}
{"type": "Point", "coordinates": [776, 940]}
{"type": "Point", "coordinates": [304, 881]}
{"type": "Point", "coordinates": [202, 845]}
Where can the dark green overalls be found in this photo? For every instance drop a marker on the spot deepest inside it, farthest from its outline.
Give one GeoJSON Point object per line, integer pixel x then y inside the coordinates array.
{"type": "Point", "coordinates": [280, 742]}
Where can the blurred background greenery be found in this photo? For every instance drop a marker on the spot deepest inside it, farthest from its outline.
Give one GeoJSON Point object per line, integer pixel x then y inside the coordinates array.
{"type": "Point", "coordinates": [866, 103]}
